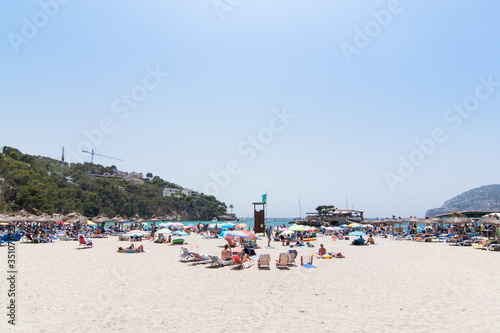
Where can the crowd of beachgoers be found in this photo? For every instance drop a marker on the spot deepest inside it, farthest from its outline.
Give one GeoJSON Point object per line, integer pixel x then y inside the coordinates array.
{"type": "Point", "coordinates": [241, 243]}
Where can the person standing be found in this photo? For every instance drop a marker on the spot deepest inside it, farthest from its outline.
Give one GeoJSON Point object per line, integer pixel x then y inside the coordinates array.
{"type": "Point", "coordinates": [269, 232]}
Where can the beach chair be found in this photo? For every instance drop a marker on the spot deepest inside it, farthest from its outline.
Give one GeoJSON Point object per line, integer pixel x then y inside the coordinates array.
{"type": "Point", "coordinates": [6, 238]}
{"type": "Point", "coordinates": [293, 255]}
{"type": "Point", "coordinates": [83, 242]}
{"type": "Point", "coordinates": [493, 247]}
{"type": "Point", "coordinates": [191, 256]}
{"type": "Point", "coordinates": [185, 254]}
{"type": "Point", "coordinates": [199, 259]}
{"type": "Point", "coordinates": [283, 260]}
{"type": "Point", "coordinates": [216, 262]}
{"type": "Point", "coordinates": [306, 260]}
{"type": "Point", "coordinates": [264, 261]}
{"type": "Point", "coordinates": [236, 262]}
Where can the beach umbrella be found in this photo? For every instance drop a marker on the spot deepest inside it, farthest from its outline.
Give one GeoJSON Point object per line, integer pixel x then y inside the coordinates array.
{"type": "Point", "coordinates": [288, 232]}
{"type": "Point", "coordinates": [457, 220]}
{"type": "Point", "coordinates": [251, 235]}
{"type": "Point", "coordinates": [136, 233]}
{"type": "Point", "coordinates": [7, 219]}
{"type": "Point", "coordinates": [180, 233]}
{"type": "Point", "coordinates": [178, 224]}
{"type": "Point", "coordinates": [352, 225]}
{"type": "Point", "coordinates": [90, 222]}
{"type": "Point", "coordinates": [308, 229]}
{"type": "Point", "coordinates": [163, 231]}
{"type": "Point", "coordinates": [344, 226]}
{"type": "Point", "coordinates": [357, 233]}
{"type": "Point", "coordinates": [237, 233]}
{"type": "Point", "coordinates": [163, 225]}
{"type": "Point", "coordinates": [297, 227]}
{"type": "Point", "coordinates": [492, 214]}
{"type": "Point", "coordinates": [102, 219]}
{"type": "Point", "coordinates": [412, 220]}
{"type": "Point", "coordinates": [242, 225]}
{"type": "Point", "coordinates": [43, 219]}
{"type": "Point", "coordinates": [490, 220]}
{"type": "Point", "coordinates": [494, 222]}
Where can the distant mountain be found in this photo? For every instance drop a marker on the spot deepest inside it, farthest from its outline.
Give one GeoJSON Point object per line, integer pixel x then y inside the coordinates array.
{"type": "Point", "coordinates": [481, 198]}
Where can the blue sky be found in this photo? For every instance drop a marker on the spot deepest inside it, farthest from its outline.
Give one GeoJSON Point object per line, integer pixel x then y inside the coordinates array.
{"type": "Point", "coordinates": [349, 119]}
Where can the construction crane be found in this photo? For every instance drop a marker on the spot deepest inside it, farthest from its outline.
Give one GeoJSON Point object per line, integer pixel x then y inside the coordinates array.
{"type": "Point", "coordinates": [92, 159]}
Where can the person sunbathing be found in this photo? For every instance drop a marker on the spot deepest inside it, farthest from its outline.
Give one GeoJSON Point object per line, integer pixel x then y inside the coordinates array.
{"type": "Point", "coordinates": [337, 255]}
{"type": "Point", "coordinates": [245, 258]}
{"type": "Point", "coordinates": [131, 249]}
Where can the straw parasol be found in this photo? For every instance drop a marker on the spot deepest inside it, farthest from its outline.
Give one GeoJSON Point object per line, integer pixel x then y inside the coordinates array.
{"type": "Point", "coordinates": [494, 222]}
{"type": "Point", "coordinates": [491, 220]}
{"type": "Point", "coordinates": [5, 218]}
{"type": "Point", "coordinates": [457, 219]}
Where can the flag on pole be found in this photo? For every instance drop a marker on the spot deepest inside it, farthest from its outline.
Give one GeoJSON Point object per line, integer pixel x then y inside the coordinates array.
{"type": "Point", "coordinates": [264, 198]}
{"type": "Point", "coordinates": [62, 155]}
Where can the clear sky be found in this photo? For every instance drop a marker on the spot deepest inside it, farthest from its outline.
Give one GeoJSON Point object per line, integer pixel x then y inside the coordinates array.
{"type": "Point", "coordinates": [393, 105]}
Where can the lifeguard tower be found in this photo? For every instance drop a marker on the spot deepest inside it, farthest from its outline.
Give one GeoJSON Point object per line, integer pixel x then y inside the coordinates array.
{"type": "Point", "coordinates": [259, 209]}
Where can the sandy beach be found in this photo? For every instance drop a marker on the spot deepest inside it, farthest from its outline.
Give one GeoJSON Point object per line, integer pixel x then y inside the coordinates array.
{"type": "Point", "coordinates": [394, 286]}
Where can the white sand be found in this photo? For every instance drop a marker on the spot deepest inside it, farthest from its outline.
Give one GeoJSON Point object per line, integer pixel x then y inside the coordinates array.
{"type": "Point", "coordinates": [402, 286]}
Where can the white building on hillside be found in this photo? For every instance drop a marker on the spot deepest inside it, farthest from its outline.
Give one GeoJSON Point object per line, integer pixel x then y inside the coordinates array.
{"type": "Point", "coordinates": [190, 193]}
{"type": "Point", "coordinates": [170, 192]}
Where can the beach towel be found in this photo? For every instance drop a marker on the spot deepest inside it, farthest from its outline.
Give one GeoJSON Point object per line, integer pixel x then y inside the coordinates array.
{"type": "Point", "coordinates": [308, 266]}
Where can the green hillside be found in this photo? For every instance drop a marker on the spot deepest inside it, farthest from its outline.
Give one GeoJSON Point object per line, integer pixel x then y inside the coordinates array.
{"type": "Point", "coordinates": [35, 184]}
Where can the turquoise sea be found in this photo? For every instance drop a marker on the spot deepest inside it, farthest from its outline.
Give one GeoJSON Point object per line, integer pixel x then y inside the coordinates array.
{"type": "Point", "coordinates": [249, 221]}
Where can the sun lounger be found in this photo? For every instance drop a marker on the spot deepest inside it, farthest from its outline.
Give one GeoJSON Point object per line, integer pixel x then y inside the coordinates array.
{"type": "Point", "coordinates": [283, 260]}
{"type": "Point", "coordinates": [264, 261]}
{"type": "Point", "coordinates": [482, 245]}
{"type": "Point", "coordinates": [191, 256]}
{"type": "Point", "coordinates": [493, 247]}
{"type": "Point", "coordinates": [216, 262]}
{"type": "Point", "coordinates": [185, 253]}
{"type": "Point", "coordinates": [6, 238]}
